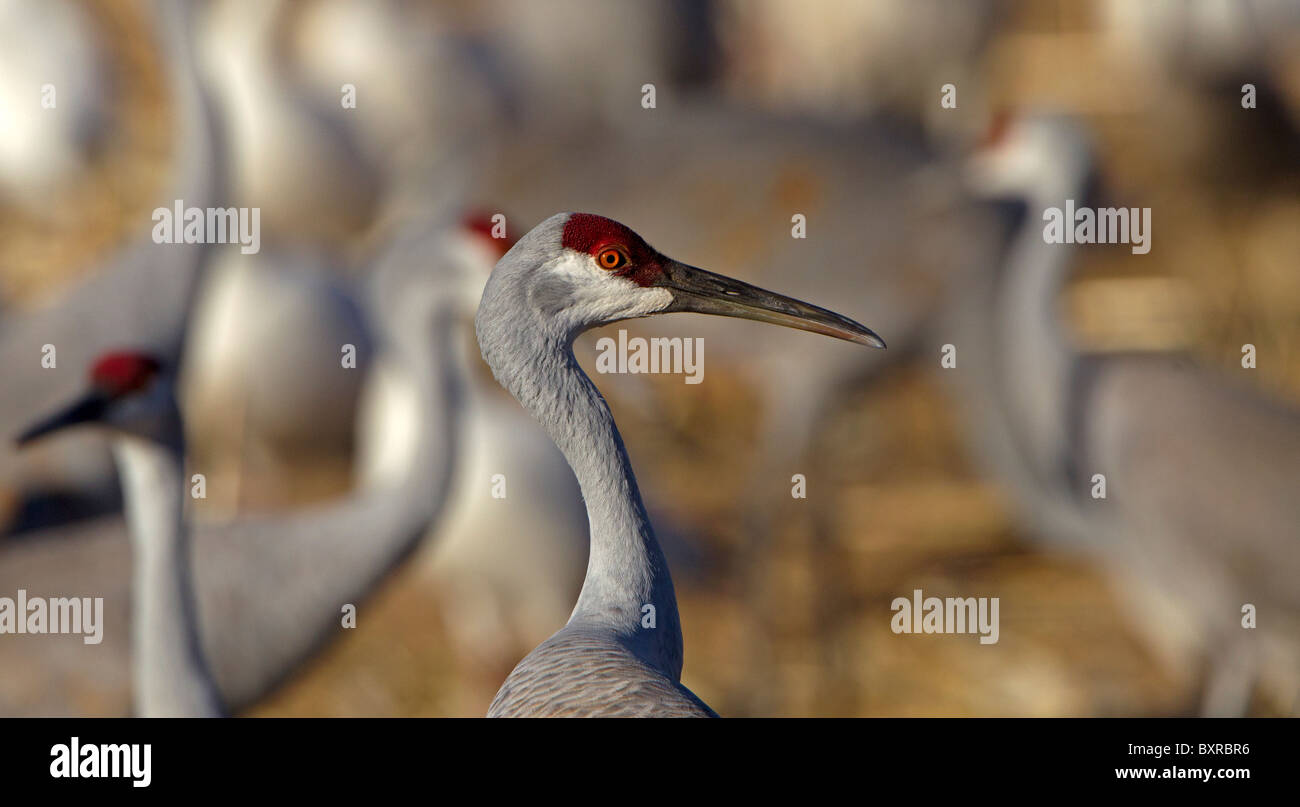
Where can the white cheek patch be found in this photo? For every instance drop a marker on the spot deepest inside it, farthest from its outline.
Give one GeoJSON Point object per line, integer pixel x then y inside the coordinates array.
{"type": "Point", "coordinates": [597, 296]}
{"type": "Point", "coordinates": [649, 301]}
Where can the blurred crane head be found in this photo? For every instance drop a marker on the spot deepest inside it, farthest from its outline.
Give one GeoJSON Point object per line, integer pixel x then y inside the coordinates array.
{"type": "Point", "coordinates": [129, 392]}
{"type": "Point", "coordinates": [441, 264]}
{"type": "Point", "coordinates": [1037, 157]}
{"type": "Point", "coordinates": [578, 271]}
{"type": "Point", "coordinates": [482, 241]}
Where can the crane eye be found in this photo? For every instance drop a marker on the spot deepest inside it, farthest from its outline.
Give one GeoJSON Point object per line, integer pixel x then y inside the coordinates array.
{"type": "Point", "coordinates": [611, 258]}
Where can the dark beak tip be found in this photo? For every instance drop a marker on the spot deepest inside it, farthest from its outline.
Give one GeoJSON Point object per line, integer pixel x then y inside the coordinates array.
{"type": "Point", "coordinates": [87, 410]}
{"type": "Point", "coordinates": [29, 436]}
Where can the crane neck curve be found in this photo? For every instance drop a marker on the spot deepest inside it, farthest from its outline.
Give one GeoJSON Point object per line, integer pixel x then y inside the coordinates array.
{"type": "Point", "coordinates": [1035, 352]}
{"type": "Point", "coordinates": [628, 590]}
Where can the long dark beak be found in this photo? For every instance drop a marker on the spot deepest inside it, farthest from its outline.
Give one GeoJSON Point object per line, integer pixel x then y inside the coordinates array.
{"type": "Point", "coordinates": [88, 409]}
{"type": "Point", "coordinates": [706, 293]}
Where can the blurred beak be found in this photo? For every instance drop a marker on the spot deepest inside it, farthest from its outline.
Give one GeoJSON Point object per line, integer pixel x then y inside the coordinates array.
{"type": "Point", "coordinates": [706, 293]}
{"type": "Point", "coordinates": [87, 410]}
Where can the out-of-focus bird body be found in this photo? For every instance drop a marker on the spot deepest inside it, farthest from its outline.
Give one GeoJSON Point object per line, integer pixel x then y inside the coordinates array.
{"type": "Point", "coordinates": [265, 359]}
{"type": "Point", "coordinates": [1200, 474]}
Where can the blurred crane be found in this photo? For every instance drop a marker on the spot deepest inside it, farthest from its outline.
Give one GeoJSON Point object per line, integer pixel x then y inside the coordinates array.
{"type": "Point", "coordinates": [621, 651]}
{"type": "Point", "coordinates": [1201, 472]}
{"type": "Point", "coordinates": [271, 589]}
{"type": "Point", "coordinates": [133, 397]}
{"type": "Point", "coordinates": [138, 296]}
{"type": "Point", "coordinates": [318, 171]}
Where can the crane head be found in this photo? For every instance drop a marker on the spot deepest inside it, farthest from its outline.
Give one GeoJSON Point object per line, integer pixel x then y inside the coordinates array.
{"type": "Point", "coordinates": [129, 392]}
{"type": "Point", "coordinates": [483, 241]}
{"type": "Point", "coordinates": [577, 271]}
{"type": "Point", "coordinates": [447, 261]}
{"type": "Point", "coordinates": [489, 233]}
{"type": "Point", "coordinates": [1046, 158]}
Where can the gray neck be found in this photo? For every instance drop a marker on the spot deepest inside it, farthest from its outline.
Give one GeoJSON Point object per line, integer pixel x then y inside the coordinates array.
{"type": "Point", "coordinates": [425, 347]}
{"type": "Point", "coordinates": [196, 177]}
{"type": "Point", "coordinates": [626, 570]}
{"type": "Point", "coordinates": [198, 156]}
{"type": "Point", "coordinates": [171, 677]}
{"type": "Point", "coordinates": [1034, 353]}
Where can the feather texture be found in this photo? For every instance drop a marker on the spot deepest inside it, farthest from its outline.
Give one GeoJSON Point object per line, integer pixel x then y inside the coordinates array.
{"type": "Point", "coordinates": [586, 673]}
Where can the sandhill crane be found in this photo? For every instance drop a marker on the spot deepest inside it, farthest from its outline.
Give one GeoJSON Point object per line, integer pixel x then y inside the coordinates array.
{"type": "Point", "coordinates": [1201, 474]}
{"type": "Point", "coordinates": [621, 651]}
{"type": "Point", "coordinates": [139, 295]}
{"type": "Point", "coordinates": [131, 395]}
{"type": "Point", "coordinates": [271, 588]}
{"type": "Point", "coordinates": [923, 233]}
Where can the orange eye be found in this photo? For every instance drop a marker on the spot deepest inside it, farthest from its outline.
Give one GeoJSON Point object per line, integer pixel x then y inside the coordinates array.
{"type": "Point", "coordinates": [611, 258]}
